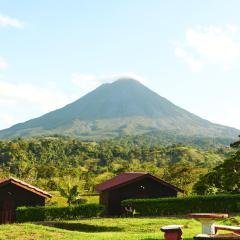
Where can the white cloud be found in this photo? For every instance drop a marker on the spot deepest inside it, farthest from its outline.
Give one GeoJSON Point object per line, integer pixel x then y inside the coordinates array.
{"type": "Point", "coordinates": [11, 22]}
{"type": "Point", "coordinates": [6, 120]}
{"type": "Point", "coordinates": [24, 101]}
{"type": "Point", "coordinates": [88, 83]}
{"type": "Point", "coordinates": [195, 64]}
{"type": "Point", "coordinates": [3, 63]}
{"type": "Point", "coordinates": [210, 45]}
{"type": "Point", "coordinates": [44, 98]}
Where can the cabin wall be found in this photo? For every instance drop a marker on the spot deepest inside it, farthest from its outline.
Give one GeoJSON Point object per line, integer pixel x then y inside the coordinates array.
{"type": "Point", "coordinates": [104, 200]}
{"type": "Point", "coordinates": [11, 197]}
{"type": "Point", "coordinates": [145, 188]}
{"type": "Point", "coordinates": [21, 197]}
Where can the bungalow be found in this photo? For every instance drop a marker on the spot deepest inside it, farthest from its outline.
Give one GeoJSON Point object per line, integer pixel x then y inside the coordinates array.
{"type": "Point", "coordinates": [15, 193]}
{"type": "Point", "coordinates": [132, 185]}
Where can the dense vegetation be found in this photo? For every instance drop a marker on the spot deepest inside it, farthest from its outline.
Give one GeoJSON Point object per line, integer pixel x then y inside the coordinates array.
{"type": "Point", "coordinates": [170, 137]}
{"type": "Point", "coordinates": [180, 206]}
{"type": "Point", "coordinates": [225, 178]}
{"type": "Point", "coordinates": [53, 162]}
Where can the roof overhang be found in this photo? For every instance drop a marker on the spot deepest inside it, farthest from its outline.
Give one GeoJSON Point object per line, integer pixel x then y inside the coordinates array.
{"type": "Point", "coordinates": [25, 186]}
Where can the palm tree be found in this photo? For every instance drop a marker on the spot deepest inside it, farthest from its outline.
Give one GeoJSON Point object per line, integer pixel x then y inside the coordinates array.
{"type": "Point", "coordinates": [71, 193]}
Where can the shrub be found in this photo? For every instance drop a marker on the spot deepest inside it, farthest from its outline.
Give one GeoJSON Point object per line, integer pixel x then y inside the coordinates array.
{"type": "Point", "coordinates": [31, 214]}
{"type": "Point", "coordinates": [184, 205]}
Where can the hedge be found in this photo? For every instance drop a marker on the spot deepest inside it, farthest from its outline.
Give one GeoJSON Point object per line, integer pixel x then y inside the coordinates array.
{"type": "Point", "coordinates": [31, 214]}
{"type": "Point", "coordinates": [184, 205]}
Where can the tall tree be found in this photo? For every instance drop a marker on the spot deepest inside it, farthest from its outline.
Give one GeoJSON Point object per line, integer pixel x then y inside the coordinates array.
{"type": "Point", "coordinates": [182, 174]}
{"type": "Point", "coordinates": [224, 178]}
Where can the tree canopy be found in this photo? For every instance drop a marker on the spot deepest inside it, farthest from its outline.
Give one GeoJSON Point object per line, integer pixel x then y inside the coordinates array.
{"type": "Point", "coordinates": [224, 178]}
{"type": "Point", "coordinates": [47, 161]}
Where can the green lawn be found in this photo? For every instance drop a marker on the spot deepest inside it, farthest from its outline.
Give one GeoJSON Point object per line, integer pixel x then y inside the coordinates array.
{"type": "Point", "coordinates": [61, 201]}
{"type": "Point", "coordinates": [102, 228]}
{"type": "Point", "coordinates": [99, 229]}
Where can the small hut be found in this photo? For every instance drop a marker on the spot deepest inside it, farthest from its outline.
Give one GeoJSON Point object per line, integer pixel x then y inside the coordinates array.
{"type": "Point", "coordinates": [15, 193]}
{"type": "Point", "coordinates": [132, 185]}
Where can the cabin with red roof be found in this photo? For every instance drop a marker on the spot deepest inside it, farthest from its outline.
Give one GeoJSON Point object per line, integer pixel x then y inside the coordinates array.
{"type": "Point", "coordinates": [15, 193]}
{"type": "Point", "coordinates": [131, 185]}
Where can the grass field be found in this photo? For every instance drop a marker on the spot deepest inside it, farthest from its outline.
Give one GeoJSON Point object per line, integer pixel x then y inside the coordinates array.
{"type": "Point", "coordinates": [102, 229]}
{"type": "Point", "coordinates": [99, 229]}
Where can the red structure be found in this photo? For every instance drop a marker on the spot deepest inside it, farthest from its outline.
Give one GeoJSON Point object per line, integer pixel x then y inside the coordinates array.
{"type": "Point", "coordinates": [132, 185]}
{"type": "Point", "coordinates": [15, 193]}
{"type": "Point", "coordinates": [172, 232]}
{"type": "Point", "coordinates": [234, 229]}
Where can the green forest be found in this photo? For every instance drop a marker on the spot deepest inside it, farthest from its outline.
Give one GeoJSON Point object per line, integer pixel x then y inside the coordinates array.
{"type": "Point", "coordinates": [55, 162]}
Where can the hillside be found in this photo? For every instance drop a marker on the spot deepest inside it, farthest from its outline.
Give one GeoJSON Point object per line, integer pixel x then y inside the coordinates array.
{"type": "Point", "coordinates": [124, 107]}
{"type": "Point", "coordinates": [49, 162]}
{"type": "Point", "coordinates": [166, 138]}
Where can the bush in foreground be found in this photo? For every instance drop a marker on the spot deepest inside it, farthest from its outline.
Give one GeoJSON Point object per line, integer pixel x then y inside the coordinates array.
{"type": "Point", "coordinates": [33, 214]}
{"type": "Point", "coordinates": [179, 206]}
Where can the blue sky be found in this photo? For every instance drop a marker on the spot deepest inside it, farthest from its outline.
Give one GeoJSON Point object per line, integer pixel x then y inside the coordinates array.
{"type": "Point", "coordinates": [53, 52]}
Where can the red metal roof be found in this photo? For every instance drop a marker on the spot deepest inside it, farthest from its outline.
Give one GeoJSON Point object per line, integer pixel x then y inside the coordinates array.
{"type": "Point", "coordinates": [128, 177]}
{"type": "Point", "coordinates": [120, 179]}
{"type": "Point", "coordinates": [25, 186]}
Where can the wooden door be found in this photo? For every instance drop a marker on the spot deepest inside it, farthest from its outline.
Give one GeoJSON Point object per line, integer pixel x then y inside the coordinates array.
{"type": "Point", "coordinates": [7, 211]}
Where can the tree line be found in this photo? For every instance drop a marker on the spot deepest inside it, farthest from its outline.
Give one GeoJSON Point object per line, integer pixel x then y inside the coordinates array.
{"type": "Point", "coordinates": [52, 162]}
